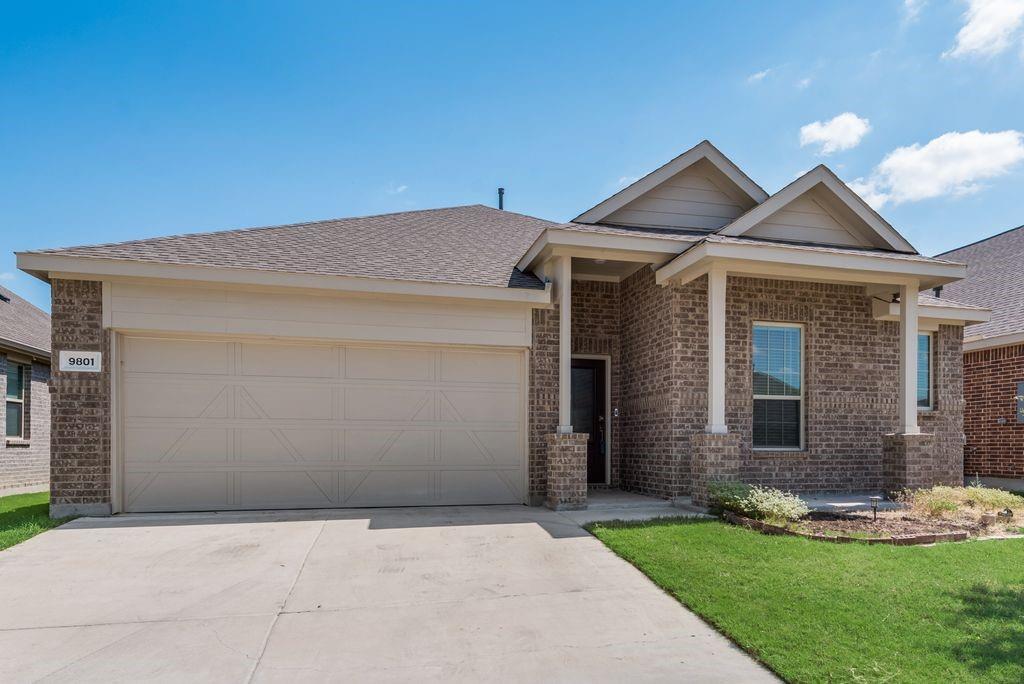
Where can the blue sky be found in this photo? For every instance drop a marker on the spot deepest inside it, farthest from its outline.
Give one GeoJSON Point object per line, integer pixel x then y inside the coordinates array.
{"type": "Point", "coordinates": [129, 120]}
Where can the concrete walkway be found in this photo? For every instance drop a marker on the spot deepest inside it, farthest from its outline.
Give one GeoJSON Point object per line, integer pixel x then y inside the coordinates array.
{"type": "Point", "coordinates": [502, 593]}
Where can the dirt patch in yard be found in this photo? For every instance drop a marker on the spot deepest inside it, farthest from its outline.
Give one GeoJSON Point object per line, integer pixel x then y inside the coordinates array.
{"type": "Point", "coordinates": [888, 524]}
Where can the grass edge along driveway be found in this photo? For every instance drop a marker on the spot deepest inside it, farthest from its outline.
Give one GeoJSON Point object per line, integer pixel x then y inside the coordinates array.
{"type": "Point", "coordinates": [820, 612]}
{"type": "Point", "coordinates": [23, 516]}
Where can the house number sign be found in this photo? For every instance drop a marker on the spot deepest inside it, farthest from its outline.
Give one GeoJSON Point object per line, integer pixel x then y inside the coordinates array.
{"type": "Point", "coordinates": [81, 361]}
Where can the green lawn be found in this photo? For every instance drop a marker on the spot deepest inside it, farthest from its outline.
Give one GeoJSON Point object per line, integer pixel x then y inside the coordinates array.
{"type": "Point", "coordinates": [821, 612]}
{"type": "Point", "coordinates": [23, 516]}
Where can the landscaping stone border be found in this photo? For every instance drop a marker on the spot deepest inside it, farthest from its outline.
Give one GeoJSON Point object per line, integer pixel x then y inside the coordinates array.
{"type": "Point", "coordinates": [911, 540]}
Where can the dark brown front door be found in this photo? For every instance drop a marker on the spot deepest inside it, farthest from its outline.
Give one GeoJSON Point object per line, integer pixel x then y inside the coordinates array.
{"type": "Point", "coordinates": [588, 405]}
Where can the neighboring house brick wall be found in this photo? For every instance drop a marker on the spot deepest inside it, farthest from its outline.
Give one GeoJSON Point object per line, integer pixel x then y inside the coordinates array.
{"type": "Point", "coordinates": [990, 385]}
{"type": "Point", "coordinates": [80, 465]}
{"type": "Point", "coordinates": [25, 464]}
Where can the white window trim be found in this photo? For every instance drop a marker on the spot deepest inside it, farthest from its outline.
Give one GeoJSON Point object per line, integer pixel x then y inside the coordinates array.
{"type": "Point", "coordinates": [803, 403]}
{"type": "Point", "coordinates": [931, 372]}
{"type": "Point", "coordinates": [8, 400]}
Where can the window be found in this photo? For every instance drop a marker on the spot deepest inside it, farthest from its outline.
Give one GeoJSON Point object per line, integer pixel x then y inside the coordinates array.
{"type": "Point", "coordinates": [778, 386]}
{"type": "Point", "coordinates": [15, 400]}
{"type": "Point", "coordinates": [924, 371]}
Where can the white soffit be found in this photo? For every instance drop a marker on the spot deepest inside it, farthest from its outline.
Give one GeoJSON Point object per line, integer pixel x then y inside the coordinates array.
{"type": "Point", "coordinates": [812, 208]}
{"type": "Point", "coordinates": [726, 180]}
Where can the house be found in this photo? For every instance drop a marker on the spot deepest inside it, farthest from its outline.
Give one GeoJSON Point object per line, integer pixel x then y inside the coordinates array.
{"type": "Point", "coordinates": [25, 411]}
{"type": "Point", "coordinates": [689, 328]}
{"type": "Point", "coordinates": [993, 355]}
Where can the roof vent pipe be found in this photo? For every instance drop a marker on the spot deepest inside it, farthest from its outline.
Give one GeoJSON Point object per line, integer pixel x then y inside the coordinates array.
{"type": "Point", "coordinates": [501, 198]}
{"type": "Point", "coordinates": [937, 291]}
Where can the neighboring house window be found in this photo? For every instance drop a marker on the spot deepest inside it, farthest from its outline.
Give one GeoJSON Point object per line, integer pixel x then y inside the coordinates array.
{"type": "Point", "coordinates": [778, 386]}
{"type": "Point", "coordinates": [16, 378]}
{"type": "Point", "coordinates": [924, 371]}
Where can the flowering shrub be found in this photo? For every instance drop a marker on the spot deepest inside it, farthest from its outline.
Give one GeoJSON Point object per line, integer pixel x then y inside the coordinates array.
{"type": "Point", "coordinates": [759, 503]}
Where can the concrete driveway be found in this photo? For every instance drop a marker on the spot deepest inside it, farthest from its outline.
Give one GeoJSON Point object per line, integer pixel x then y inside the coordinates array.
{"type": "Point", "coordinates": [503, 593]}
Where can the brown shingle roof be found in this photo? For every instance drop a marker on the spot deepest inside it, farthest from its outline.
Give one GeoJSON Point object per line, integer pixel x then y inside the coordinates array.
{"type": "Point", "coordinates": [469, 245]}
{"type": "Point", "coordinates": [995, 280]}
{"type": "Point", "coordinates": [23, 324]}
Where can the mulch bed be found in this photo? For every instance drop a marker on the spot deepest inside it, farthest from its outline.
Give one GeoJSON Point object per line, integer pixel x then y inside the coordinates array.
{"type": "Point", "coordinates": [891, 528]}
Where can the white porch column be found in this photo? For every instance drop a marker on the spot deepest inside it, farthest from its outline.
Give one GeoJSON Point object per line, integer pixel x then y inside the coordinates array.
{"type": "Point", "coordinates": [908, 358]}
{"type": "Point", "coordinates": [716, 352]}
{"type": "Point", "coordinates": [563, 268]}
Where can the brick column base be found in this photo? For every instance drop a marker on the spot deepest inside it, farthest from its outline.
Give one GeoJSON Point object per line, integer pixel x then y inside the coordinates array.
{"type": "Point", "coordinates": [908, 461]}
{"type": "Point", "coordinates": [714, 458]}
{"type": "Point", "coordinates": [567, 472]}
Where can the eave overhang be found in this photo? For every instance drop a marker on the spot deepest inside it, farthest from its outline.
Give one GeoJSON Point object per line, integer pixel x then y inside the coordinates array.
{"type": "Point", "coordinates": [934, 313]}
{"type": "Point", "coordinates": [555, 242]}
{"type": "Point", "coordinates": [770, 260]}
{"type": "Point", "coordinates": [47, 266]}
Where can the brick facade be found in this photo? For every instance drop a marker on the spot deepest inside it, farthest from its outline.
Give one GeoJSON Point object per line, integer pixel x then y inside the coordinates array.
{"type": "Point", "coordinates": [995, 440]}
{"type": "Point", "coordinates": [657, 340]}
{"type": "Point", "coordinates": [25, 463]}
{"type": "Point", "coordinates": [660, 385]}
{"type": "Point", "coordinates": [713, 458]}
{"type": "Point", "coordinates": [908, 462]}
{"type": "Point", "coordinates": [567, 472]}
{"type": "Point", "coordinates": [80, 465]}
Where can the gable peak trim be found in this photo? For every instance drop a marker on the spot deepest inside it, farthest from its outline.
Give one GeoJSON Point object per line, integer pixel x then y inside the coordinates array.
{"type": "Point", "coordinates": [702, 150]}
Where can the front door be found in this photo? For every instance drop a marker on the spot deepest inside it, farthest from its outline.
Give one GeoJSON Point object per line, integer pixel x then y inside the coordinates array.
{"type": "Point", "coordinates": [588, 407]}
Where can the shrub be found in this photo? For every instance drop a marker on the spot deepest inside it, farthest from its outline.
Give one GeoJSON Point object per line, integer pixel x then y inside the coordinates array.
{"type": "Point", "coordinates": [728, 496]}
{"type": "Point", "coordinates": [773, 505]}
{"type": "Point", "coordinates": [759, 503]}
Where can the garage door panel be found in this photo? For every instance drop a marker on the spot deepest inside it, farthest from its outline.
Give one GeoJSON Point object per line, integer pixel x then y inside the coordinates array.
{"type": "Point", "coordinates": [481, 447]}
{"type": "Point", "coordinates": [288, 401]}
{"type": "Point", "coordinates": [285, 488]}
{"type": "Point", "coordinates": [479, 486]}
{"type": "Point", "coordinates": [391, 447]}
{"type": "Point", "coordinates": [161, 399]}
{"type": "Point", "coordinates": [176, 491]}
{"type": "Point", "coordinates": [310, 444]}
{"type": "Point", "coordinates": [268, 425]}
{"type": "Point", "coordinates": [480, 367]}
{"type": "Point", "coordinates": [467, 406]}
{"type": "Point", "coordinates": [367, 363]}
{"type": "Point", "coordinates": [147, 355]}
{"type": "Point", "coordinates": [283, 361]}
{"type": "Point", "coordinates": [389, 488]}
{"type": "Point", "coordinates": [152, 445]}
{"type": "Point", "coordinates": [390, 404]}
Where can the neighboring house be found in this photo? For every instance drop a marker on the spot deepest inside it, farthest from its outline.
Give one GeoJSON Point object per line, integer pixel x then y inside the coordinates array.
{"type": "Point", "coordinates": [993, 354]}
{"type": "Point", "coordinates": [689, 328]}
{"type": "Point", "coordinates": [25, 411]}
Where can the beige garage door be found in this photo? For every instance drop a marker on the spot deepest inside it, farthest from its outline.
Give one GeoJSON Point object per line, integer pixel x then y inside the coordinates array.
{"type": "Point", "coordinates": [220, 425]}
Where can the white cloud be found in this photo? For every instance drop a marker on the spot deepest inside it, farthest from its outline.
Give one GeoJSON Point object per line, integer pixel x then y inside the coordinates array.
{"type": "Point", "coordinates": [912, 10]}
{"type": "Point", "coordinates": [840, 133]}
{"type": "Point", "coordinates": [803, 83]}
{"type": "Point", "coordinates": [626, 180]}
{"type": "Point", "coordinates": [952, 164]}
{"type": "Point", "coordinates": [759, 76]}
{"type": "Point", "coordinates": [6, 275]}
{"type": "Point", "coordinates": [990, 27]}
{"type": "Point", "coordinates": [396, 189]}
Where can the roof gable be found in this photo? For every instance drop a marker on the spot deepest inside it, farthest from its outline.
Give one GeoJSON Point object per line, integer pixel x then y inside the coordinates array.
{"type": "Point", "coordinates": [818, 208]}
{"type": "Point", "coordinates": [23, 325]}
{"type": "Point", "coordinates": [700, 189]}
